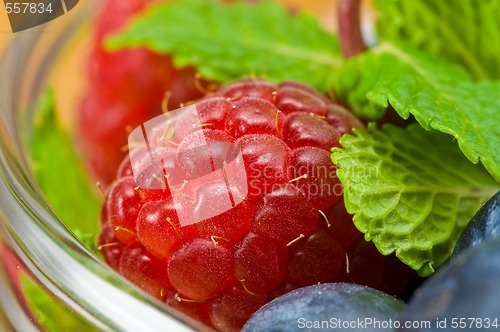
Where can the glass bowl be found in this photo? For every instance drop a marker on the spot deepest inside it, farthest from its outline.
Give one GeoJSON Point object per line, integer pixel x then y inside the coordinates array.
{"type": "Point", "coordinates": [49, 280]}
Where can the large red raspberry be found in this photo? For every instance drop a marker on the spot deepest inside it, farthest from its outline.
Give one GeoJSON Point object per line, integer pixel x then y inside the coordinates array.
{"type": "Point", "coordinates": [232, 201]}
{"type": "Point", "coordinates": [125, 89]}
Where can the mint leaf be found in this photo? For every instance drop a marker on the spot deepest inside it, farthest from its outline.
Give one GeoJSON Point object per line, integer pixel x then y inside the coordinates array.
{"type": "Point", "coordinates": [230, 41]}
{"type": "Point", "coordinates": [411, 191]}
{"type": "Point", "coordinates": [463, 31]}
{"type": "Point", "coordinates": [441, 96]}
{"type": "Point", "coordinates": [59, 171]}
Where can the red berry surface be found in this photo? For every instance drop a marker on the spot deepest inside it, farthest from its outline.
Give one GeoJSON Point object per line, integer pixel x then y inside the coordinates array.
{"type": "Point", "coordinates": [250, 206]}
{"type": "Point", "coordinates": [125, 89]}
{"type": "Point", "coordinates": [144, 269]}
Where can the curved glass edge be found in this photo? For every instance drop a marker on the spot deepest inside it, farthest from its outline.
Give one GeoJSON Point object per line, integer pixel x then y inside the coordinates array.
{"type": "Point", "coordinates": [46, 248]}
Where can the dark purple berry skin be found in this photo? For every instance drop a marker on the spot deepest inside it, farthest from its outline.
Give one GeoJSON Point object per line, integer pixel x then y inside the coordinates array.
{"type": "Point", "coordinates": [467, 286]}
{"type": "Point", "coordinates": [485, 225]}
{"type": "Point", "coordinates": [334, 303]}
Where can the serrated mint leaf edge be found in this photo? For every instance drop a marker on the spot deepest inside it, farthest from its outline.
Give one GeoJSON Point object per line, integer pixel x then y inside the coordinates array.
{"type": "Point", "coordinates": [424, 267]}
{"type": "Point", "coordinates": [379, 100]}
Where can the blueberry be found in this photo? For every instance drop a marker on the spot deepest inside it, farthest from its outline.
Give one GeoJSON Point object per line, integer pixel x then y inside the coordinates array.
{"type": "Point", "coordinates": [336, 306]}
{"type": "Point", "coordinates": [465, 288]}
{"type": "Point", "coordinates": [483, 226]}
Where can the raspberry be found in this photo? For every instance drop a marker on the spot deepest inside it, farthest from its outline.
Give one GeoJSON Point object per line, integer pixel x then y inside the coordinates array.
{"type": "Point", "coordinates": [115, 96]}
{"type": "Point", "coordinates": [266, 160]}
{"type": "Point", "coordinates": [201, 270]}
{"type": "Point", "coordinates": [261, 262]}
{"type": "Point", "coordinates": [242, 204]}
{"type": "Point", "coordinates": [317, 258]}
{"type": "Point", "coordinates": [231, 310]}
{"type": "Point", "coordinates": [109, 246]}
{"type": "Point", "coordinates": [144, 269]}
{"type": "Point", "coordinates": [284, 213]}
